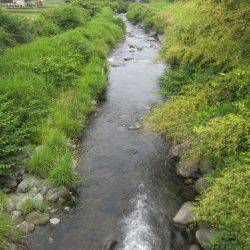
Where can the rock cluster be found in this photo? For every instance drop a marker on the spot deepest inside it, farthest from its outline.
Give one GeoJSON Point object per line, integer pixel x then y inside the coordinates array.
{"type": "Point", "coordinates": [30, 199]}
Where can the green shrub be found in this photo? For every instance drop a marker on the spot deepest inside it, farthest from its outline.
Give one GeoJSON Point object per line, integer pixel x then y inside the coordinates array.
{"type": "Point", "coordinates": [225, 205]}
{"type": "Point", "coordinates": [119, 6]}
{"type": "Point", "coordinates": [66, 17]}
{"type": "Point", "coordinates": [207, 115]}
{"type": "Point", "coordinates": [221, 137]}
{"type": "Point", "coordinates": [43, 27]}
{"type": "Point", "coordinates": [6, 40]}
{"type": "Point", "coordinates": [18, 27]}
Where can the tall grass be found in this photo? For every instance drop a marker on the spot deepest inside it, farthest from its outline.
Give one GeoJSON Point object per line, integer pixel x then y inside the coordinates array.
{"type": "Point", "coordinates": [48, 88]}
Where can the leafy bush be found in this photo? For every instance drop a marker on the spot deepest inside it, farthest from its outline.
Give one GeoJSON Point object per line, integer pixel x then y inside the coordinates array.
{"type": "Point", "coordinates": [221, 137]}
{"type": "Point", "coordinates": [43, 27]}
{"type": "Point", "coordinates": [66, 17]}
{"type": "Point", "coordinates": [207, 115]}
{"type": "Point", "coordinates": [225, 206]}
{"type": "Point", "coordinates": [46, 81]}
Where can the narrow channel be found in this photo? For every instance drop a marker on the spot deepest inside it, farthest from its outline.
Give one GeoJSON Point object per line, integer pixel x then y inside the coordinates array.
{"type": "Point", "coordinates": [130, 191]}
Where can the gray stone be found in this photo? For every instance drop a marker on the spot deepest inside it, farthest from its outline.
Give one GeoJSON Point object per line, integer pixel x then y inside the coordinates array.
{"type": "Point", "coordinates": [204, 236]}
{"type": "Point", "coordinates": [38, 218]}
{"type": "Point", "coordinates": [16, 214]}
{"type": "Point", "coordinates": [67, 209]}
{"type": "Point", "coordinates": [187, 169]}
{"type": "Point", "coordinates": [27, 182]}
{"type": "Point", "coordinates": [44, 188]}
{"type": "Point", "coordinates": [201, 184]}
{"type": "Point", "coordinates": [20, 201]}
{"type": "Point", "coordinates": [54, 221]}
{"type": "Point", "coordinates": [185, 215]}
{"type": "Point", "coordinates": [55, 193]}
{"type": "Point", "coordinates": [194, 247]}
{"type": "Point", "coordinates": [38, 198]}
{"type": "Point", "coordinates": [26, 227]}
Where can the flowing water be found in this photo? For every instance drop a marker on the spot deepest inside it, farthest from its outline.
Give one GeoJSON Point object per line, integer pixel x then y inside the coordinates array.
{"type": "Point", "coordinates": [130, 194]}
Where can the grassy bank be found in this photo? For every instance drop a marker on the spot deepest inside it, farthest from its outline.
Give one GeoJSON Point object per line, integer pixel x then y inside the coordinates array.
{"type": "Point", "coordinates": [55, 81]}
{"type": "Point", "coordinates": [207, 118]}
{"type": "Point", "coordinates": [48, 89]}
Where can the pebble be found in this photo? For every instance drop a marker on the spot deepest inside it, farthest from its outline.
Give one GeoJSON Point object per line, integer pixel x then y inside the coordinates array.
{"type": "Point", "coordinates": [54, 221]}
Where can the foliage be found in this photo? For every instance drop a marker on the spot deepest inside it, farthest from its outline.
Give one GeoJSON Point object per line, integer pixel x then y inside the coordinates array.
{"type": "Point", "coordinates": [55, 80]}
{"type": "Point", "coordinates": [66, 17]}
{"type": "Point", "coordinates": [43, 27]}
{"type": "Point", "coordinates": [226, 206]}
{"type": "Point", "coordinates": [208, 107]}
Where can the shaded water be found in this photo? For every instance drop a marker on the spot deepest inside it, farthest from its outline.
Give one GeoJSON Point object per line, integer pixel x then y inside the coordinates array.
{"type": "Point", "coordinates": [130, 195]}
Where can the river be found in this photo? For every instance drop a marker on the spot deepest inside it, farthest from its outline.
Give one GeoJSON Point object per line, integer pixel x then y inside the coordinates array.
{"type": "Point", "coordinates": [131, 191]}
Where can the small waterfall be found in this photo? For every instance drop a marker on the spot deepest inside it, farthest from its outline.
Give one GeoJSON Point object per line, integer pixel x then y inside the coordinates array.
{"type": "Point", "coordinates": [138, 230]}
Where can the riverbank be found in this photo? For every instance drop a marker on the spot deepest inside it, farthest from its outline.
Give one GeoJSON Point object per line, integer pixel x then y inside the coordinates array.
{"type": "Point", "coordinates": [58, 81]}
{"type": "Point", "coordinates": [206, 117]}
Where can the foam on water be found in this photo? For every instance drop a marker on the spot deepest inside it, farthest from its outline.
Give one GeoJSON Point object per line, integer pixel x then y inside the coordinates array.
{"type": "Point", "coordinates": [138, 233]}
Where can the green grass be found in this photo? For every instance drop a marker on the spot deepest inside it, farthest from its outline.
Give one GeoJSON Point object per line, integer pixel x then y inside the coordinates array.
{"type": "Point", "coordinates": [55, 80]}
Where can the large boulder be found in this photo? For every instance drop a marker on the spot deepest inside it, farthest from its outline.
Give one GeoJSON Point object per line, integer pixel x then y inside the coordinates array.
{"type": "Point", "coordinates": [185, 215]}
{"type": "Point", "coordinates": [38, 218]}
{"type": "Point", "coordinates": [187, 169]}
{"type": "Point", "coordinates": [204, 236]}
{"type": "Point", "coordinates": [54, 194]}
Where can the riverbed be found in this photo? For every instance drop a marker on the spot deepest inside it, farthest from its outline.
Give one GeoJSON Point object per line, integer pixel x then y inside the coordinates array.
{"type": "Point", "coordinates": [130, 191]}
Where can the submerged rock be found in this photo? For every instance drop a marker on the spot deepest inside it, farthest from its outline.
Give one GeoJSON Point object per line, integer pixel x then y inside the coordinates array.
{"type": "Point", "coordinates": [185, 215]}
{"type": "Point", "coordinates": [204, 236]}
{"type": "Point", "coordinates": [38, 218]}
{"type": "Point", "coordinates": [26, 227]}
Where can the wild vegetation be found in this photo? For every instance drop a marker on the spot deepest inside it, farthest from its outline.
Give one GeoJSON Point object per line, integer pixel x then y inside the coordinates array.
{"type": "Point", "coordinates": [48, 87]}
{"type": "Point", "coordinates": [207, 116]}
